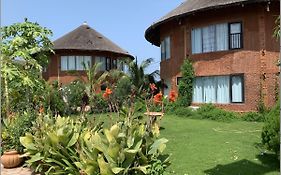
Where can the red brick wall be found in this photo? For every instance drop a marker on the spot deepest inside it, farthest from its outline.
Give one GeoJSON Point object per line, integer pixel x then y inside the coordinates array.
{"type": "Point", "coordinates": [54, 73]}
{"type": "Point", "coordinates": [256, 60]}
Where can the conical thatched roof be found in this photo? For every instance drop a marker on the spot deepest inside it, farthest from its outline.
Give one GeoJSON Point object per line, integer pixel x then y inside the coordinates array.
{"type": "Point", "coordinates": [191, 7]}
{"type": "Point", "coordinates": [84, 38]}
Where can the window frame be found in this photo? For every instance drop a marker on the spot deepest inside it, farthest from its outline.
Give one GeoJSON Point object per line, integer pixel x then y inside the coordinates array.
{"type": "Point", "coordinates": [243, 88]}
{"type": "Point", "coordinates": [163, 45]}
{"type": "Point", "coordinates": [229, 48]}
{"type": "Point", "coordinates": [75, 62]}
{"type": "Point", "coordinates": [230, 88]}
{"type": "Point", "coordinates": [241, 35]}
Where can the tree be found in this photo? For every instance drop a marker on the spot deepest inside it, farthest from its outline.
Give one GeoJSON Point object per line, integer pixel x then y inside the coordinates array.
{"type": "Point", "coordinates": [186, 83]}
{"type": "Point", "coordinates": [25, 49]}
{"type": "Point", "coordinates": [140, 80]}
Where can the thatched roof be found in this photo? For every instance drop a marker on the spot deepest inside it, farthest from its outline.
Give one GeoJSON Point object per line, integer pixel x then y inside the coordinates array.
{"type": "Point", "coordinates": [190, 7]}
{"type": "Point", "coordinates": [84, 38]}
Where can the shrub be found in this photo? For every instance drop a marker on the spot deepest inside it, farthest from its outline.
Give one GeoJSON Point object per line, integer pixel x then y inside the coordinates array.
{"type": "Point", "coordinates": [253, 117]}
{"type": "Point", "coordinates": [56, 102]}
{"type": "Point", "coordinates": [271, 130]}
{"type": "Point", "coordinates": [186, 83]}
{"type": "Point", "coordinates": [74, 93]}
{"type": "Point", "coordinates": [98, 104]}
{"type": "Point", "coordinates": [183, 112]}
{"type": "Point", "coordinates": [14, 128]}
{"type": "Point", "coordinates": [209, 111]}
{"type": "Point", "coordinates": [67, 146]}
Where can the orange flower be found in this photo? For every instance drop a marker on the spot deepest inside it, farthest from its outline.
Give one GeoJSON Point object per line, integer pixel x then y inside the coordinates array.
{"type": "Point", "coordinates": [41, 109]}
{"type": "Point", "coordinates": [152, 86]}
{"type": "Point", "coordinates": [172, 96]}
{"type": "Point", "coordinates": [107, 93]}
{"type": "Point", "coordinates": [158, 98]}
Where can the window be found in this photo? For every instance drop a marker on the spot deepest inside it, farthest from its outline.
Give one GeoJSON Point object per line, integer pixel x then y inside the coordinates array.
{"type": "Point", "coordinates": [178, 80]}
{"type": "Point", "coordinates": [108, 63]}
{"type": "Point", "coordinates": [120, 65]}
{"type": "Point", "coordinates": [218, 89]}
{"type": "Point", "coordinates": [166, 49]}
{"type": "Point", "coordinates": [102, 61]}
{"type": "Point", "coordinates": [217, 37]}
{"type": "Point", "coordinates": [237, 89]}
{"type": "Point", "coordinates": [75, 62]}
{"type": "Point", "coordinates": [235, 36]}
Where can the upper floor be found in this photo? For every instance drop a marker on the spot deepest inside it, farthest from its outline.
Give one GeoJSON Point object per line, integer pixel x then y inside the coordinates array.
{"type": "Point", "coordinates": [214, 31]}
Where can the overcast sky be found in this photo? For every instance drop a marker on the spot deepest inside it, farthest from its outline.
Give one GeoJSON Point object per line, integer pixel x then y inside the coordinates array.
{"type": "Point", "coordinates": [122, 21]}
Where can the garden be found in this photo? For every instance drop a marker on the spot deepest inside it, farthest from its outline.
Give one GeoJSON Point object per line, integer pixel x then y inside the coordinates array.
{"type": "Point", "coordinates": [104, 124]}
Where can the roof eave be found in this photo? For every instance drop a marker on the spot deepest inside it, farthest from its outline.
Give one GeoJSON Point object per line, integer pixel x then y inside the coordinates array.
{"type": "Point", "coordinates": [152, 34]}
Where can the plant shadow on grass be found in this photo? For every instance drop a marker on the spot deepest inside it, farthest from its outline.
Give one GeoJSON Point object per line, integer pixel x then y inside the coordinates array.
{"type": "Point", "coordinates": [246, 167]}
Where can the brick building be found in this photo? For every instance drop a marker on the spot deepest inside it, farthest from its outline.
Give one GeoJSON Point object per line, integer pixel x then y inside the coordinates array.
{"type": "Point", "coordinates": [82, 46]}
{"type": "Point", "coordinates": [231, 45]}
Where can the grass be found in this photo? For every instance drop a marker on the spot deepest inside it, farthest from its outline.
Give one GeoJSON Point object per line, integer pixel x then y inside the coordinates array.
{"type": "Point", "coordinates": [205, 147]}
{"type": "Point", "coordinates": [216, 148]}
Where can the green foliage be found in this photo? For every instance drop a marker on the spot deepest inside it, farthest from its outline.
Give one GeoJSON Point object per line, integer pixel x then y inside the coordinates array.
{"type": "Point", "coordinates": [53, 147]}
{"type": "Point", "coordinates": [186, 83]}
{"type": "Point", "coordinates": [209, 111]}
{"type": "Point", "coordinates": [25, 48]}
{"type": "Point", "coordinates": [99, 104]}
{"type": "Point", "coordinates": [68, 146]}
{"type": "Point", "coordinates": [253, 117]}
{"type": "Point", "coordinates": [14, 128]}
{"type": "Point", "coordinates": [56, 102]}
{"type": "Point", "coordinates": [271, 130]}
{"type": "Point", "coordinates": [74, 93]}
{"type": "Point", "coordinates": [122, 90]}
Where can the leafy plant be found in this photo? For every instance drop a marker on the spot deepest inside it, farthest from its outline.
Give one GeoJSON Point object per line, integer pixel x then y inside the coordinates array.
{"type": "Point", "coordinates": [253, 117]}
{"type": "Point", "coordinates": [24, 51]}
{"type": "Point", "coordinates": [74, 93]}
{"type": "Point", "coordinates": [186, 83]}
{"type": "Point", "coordinates": [68, 146]}
{"type": "Point", "coordinates": [271, 130]}
{"type": "Point", "coordinates": [14, 128]}
{"type": "Point", "coordinates": [209, 111]}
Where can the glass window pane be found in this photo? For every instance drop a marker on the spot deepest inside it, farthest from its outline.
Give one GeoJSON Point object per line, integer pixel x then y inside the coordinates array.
{"type": "Point", "coordinates": [79, 63]}
{"type": "Point", "coordinates": [102, 62]}
{"type": "Point", "coordinates": [162, 50]}
{"type": "Point", "coordinates": [237, 89]}
{"type": "Point", "coordinates": [209, 89]}
{"type": "Point", "coordinates": [71, 63]}
{"type": "Point", "coordinates": [198, 90]}
{"type": "Point", "coordinates": [235, 28]}
{"type": "Point", "coordinates": [88, 61]}
{"type": "Point", "coordinates": [222, 37]}
{"type": "Point", "coordinates": [63, 63]}
{"type": "Point", "coordinates": [167, 47]}
{"type": "Point", "coordinates": [223, 96]}
{"type": "Point", "coordinates": [196, 40]}
{"type": "Point", "coordinates": [209, 38]}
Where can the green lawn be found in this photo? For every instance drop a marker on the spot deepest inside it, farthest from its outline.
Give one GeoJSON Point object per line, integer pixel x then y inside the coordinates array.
{"type": "Point", "coordinates": [216, 148]}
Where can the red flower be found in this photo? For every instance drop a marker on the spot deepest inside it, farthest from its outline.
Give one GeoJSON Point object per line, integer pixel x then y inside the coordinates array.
{"type": "Point", "coordinates": [41, 109]}
{"type": "Point", "coordinates": [152, 87]}
{"type": "Point", "coordinates": [107, 93]}
{"type": "Point", "coordinates": [158, 98]}
{"type": "Point", "coordinates": [172, 96]}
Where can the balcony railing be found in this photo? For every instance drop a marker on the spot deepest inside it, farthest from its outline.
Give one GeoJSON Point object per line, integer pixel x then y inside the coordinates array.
{"type": "Point", "coordinates": [235, 40]}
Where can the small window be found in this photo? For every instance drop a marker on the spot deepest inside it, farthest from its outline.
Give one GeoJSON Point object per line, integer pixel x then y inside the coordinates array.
{"type": "Point", "coordinates": [75, 62]}
{"type": "Point", "coordinates": [166, 48]}
{"type": "Point", "coordinates": [235, 36]}
{"type": "Point", "coordinates": [64, 64]}
{"type": "Point", "coordinates": [102, 61]}
{"type": "Point", "coordinates": [237, 90]}
{"type": "Point", "coordinates": [178, 80]}
{"type": "Point", "coordinates": [108, 64]}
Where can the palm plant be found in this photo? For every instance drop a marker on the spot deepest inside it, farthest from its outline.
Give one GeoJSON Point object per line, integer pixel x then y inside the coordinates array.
{"type": "Point", "coordinates": [140, 80]}
{"type": "Point", "coordinates": [94, 78]}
